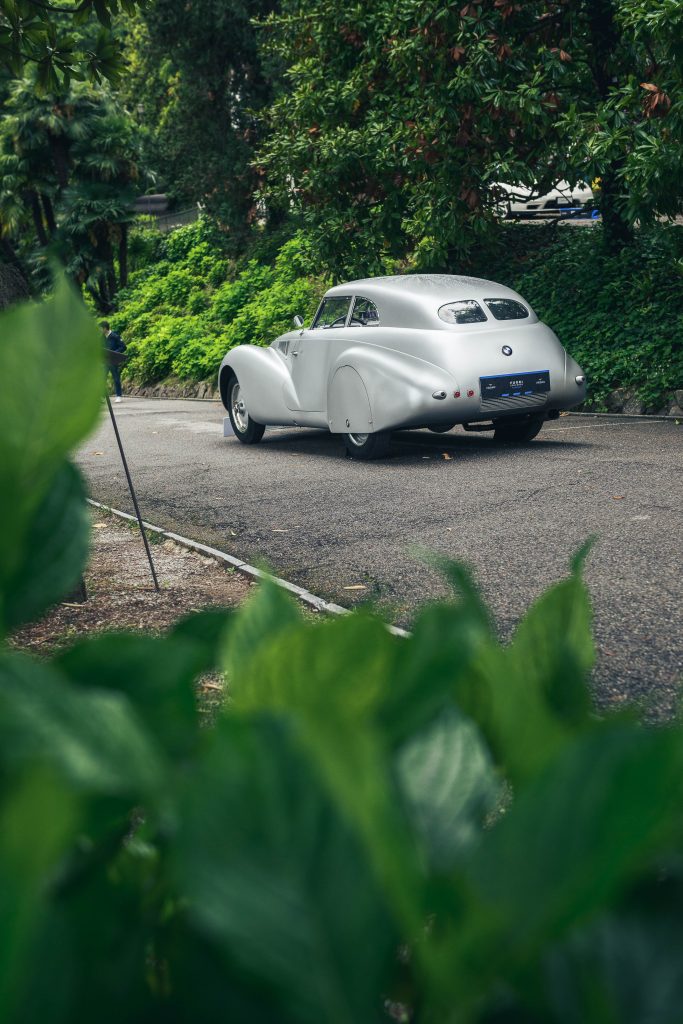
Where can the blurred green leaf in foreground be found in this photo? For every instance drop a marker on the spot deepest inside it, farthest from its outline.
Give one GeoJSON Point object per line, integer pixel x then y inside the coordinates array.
{"type": "Point", "coordinates": [439, 824]}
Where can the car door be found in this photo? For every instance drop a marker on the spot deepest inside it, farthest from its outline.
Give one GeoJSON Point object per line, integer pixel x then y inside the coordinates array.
{"type": "Point", "coordinates": [312, 351]}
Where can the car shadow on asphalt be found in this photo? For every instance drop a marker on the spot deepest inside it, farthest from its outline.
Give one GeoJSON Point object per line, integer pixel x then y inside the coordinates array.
{"type": "Point", "coordinates": [406, 445]}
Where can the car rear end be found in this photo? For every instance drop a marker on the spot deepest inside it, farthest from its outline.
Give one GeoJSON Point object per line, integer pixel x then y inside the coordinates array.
{"type": "Point", "coordinates": [507, 363]}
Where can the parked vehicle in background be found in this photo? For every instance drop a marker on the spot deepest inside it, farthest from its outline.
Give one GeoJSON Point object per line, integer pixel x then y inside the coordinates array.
{"type": "Point", "coordinates": [522, 203]}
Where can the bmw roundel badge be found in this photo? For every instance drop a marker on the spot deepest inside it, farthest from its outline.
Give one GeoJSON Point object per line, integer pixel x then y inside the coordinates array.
{"type": "Point", "coordinates": [507, 351]}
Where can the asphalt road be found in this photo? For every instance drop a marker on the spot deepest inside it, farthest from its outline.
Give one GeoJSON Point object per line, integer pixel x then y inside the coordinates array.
{"type": "Point", "coordinates": [515, 514]}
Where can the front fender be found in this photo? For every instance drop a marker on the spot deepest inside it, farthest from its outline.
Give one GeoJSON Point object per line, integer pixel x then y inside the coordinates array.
{"type": "Point", "coordinates": [262, 375]}
{"type": "Point", "coordinates": [395, 387]}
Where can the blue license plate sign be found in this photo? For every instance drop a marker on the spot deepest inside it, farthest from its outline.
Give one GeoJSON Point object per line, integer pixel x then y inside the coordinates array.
{"type": "Point", "coordinates": [515, 385]}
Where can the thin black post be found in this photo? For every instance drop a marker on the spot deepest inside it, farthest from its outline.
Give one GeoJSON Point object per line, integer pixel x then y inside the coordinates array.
{"type": "Point", "coordinates": [133, 495]}
{"type": "Point", "coordinates": [79, 595]}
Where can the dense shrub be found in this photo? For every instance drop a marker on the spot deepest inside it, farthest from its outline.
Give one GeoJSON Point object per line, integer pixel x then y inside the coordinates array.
{"type": "Point", "coordinates": [620, 316]}
{"type": "Point", "coordinates": [433, 829]}
{"type": "Point", "coordinates": [187, 303]}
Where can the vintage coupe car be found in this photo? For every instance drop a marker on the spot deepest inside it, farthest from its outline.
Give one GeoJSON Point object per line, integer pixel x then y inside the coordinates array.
{"type": "Point", "coordinates": [404, 352]}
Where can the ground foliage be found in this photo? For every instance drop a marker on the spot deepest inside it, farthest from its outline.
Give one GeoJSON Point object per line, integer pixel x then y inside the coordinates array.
{"type": "Point", "coordinates": [188, 302]}
{"type": "Point", "coordinates": [396, 121]}
{"type": "Point", "coordinates": [438, 822]}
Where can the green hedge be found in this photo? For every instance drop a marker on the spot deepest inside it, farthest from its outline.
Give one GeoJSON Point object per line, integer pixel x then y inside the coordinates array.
{"type": "Point", "coordinates": [187, 303]}
{"type": "Point", "coordinates": [620, 316]}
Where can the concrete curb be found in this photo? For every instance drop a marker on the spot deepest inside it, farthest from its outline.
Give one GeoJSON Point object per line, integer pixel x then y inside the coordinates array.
{"type": "Point", "coordinates": [250, 571]}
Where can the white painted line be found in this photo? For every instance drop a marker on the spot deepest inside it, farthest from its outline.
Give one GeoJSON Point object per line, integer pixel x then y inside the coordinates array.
{"type": "Point", "coordinates": [242, 567]}
{"type": "Point", "coordinates": [602, 426]}
{"type": "Point", "coordinates": [620, 416]}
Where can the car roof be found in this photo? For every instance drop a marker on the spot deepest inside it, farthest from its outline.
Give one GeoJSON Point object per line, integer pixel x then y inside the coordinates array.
{"type": "Point", "coordinates": [440, 287]}
{"type": "Point", "coordinates": [417, 297]}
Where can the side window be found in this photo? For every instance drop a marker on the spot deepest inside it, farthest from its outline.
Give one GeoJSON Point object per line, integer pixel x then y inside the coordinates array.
{"type": "Point", "coordinates": [332, 312]}
{"type": "Point", "coordinates": [364, 312]}
{"type": "Point", "coordinates": [507, 309]}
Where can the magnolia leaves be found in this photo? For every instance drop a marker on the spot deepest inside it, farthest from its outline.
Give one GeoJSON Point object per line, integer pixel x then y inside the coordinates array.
{"type": "Point", "coordinates": [39, 36]}
{"type": "Point", "coordinates": [657, 103]}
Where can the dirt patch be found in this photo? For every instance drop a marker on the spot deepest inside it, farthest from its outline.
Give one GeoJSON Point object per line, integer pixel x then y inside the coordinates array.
{"type": "Point", "coordinates": [121, 594]}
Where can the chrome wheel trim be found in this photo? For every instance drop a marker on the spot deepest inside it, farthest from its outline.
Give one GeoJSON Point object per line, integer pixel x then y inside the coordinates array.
{"type": "Point", "coordinates": [239, 409]}
{"type": "Point", "coordinates": [358, 439]}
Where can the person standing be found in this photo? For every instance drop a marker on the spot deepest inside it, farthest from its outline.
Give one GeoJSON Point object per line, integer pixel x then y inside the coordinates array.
{"type": "Point", "coordinates": [113, 342]}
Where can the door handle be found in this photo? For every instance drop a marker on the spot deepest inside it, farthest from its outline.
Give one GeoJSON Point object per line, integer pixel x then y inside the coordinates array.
{"type": "Point", "coordinates": [295, 353]}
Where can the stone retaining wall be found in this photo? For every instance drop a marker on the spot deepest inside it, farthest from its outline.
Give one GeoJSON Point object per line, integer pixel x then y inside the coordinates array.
{"type": "Point", "coordinates": [174, 389]}
{"type": "Point", "coordinates": [622, 400]}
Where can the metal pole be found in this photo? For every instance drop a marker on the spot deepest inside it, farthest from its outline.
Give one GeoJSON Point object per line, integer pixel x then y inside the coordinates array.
{"type": "Point", "coordinates": [133, 496]}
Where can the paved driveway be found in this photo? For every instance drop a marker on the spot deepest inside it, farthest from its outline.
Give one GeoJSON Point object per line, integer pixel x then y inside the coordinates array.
{"type": "Point", "coordinates": [516, 515]}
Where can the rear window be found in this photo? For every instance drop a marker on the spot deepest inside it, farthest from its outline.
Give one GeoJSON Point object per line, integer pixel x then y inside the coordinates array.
{"type": "Point", "coordinates": [507, 309]}
{"type": "Point", "coordinates": [467, 311]}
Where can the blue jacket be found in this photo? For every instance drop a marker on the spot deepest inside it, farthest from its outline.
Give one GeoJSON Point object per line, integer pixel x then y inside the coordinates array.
{"type": "Point", "coordinates": [114, 343]}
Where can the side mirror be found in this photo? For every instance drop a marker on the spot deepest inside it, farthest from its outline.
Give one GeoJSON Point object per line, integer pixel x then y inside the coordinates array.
{"type": "Point", "coordinates": [298, 321]}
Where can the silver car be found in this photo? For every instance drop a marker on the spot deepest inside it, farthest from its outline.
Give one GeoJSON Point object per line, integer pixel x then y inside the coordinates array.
{"type": "Point", "coordinates": [404, 352]}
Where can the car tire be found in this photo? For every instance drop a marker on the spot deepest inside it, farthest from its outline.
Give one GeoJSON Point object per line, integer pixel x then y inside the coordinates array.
{"type": "Point", "coordinates": [442, 429]}
{"type": "Point", "coordinates": [246, 430]}
{"type": "Point", "coordinates": [368, 446]}
{"type": "Point", "coordinates": [518, 431]}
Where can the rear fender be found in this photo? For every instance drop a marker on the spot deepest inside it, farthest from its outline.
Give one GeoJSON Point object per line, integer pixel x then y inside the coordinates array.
{"type": "Point", "coordinates": [388, 390]}
{"type": "Point", "coordinates": [262, 375]}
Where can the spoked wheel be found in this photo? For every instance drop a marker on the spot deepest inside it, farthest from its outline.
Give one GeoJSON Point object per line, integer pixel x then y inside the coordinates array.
{"type": "Point", "coordinates": [368, 446]}
{"type": "Point", "coordinates": [517, 431]}
{"type": "Point", "coordinates": [442, 429]}
{"type": "Point", "coordinates": [247, 430]}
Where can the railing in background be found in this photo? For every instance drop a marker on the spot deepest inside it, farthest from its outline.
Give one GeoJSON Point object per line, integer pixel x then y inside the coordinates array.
{"type": "Point", "coordinates": [156, 206]}
{"type": "Point", "coordinates": [179, 218]}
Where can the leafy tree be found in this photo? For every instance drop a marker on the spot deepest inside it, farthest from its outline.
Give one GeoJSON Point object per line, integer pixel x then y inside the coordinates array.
{"type": "Point", "coordinates": [396, 123]}
{"type": "Point", "coordinates": [69, 171]}
{"type": "Point", "coordinates": [45, 36]}
{"type": "Point", "coordinates": [195, 82]}
{"type": "Point", "coordinates": [628, 132]}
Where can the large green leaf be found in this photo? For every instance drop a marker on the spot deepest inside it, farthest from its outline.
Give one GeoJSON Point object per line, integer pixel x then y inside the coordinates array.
{"type": "Point", "coordinates": [39, 816]}
{"type": "Point", "coordinates": [624, 968]}
{"type": "Point", "coordinates": [95, 937]}
{"type": "Point", "coordinates": [446, 645]}
{"type": "Point", "coordinates": [206, 631]}
{"type": "Point", "coordinates": [157, 675]}
{"type": "Point", "coordinates": [259, 620]}
{"type": "Point", "coordinates": [328, 680]}
{"type": "Point", "coordinates": [50, 395]}
{"type": "Point", "coordinates": [279, 881]}
{"type": "Point", "coordinates": [55, 551]}
{"type": "Point", "coordinates": [553, 648]}
{"type": "Point", "coordinates": [449, 783]}
{"type": "Point", "coordinates": [92, 738]}
{"type": "Point", "coordinates": [531, 697]}
{"type": "Point", "coordinates": [568, 845]}
{"type": "Point", "coordinates": [343, 664]}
